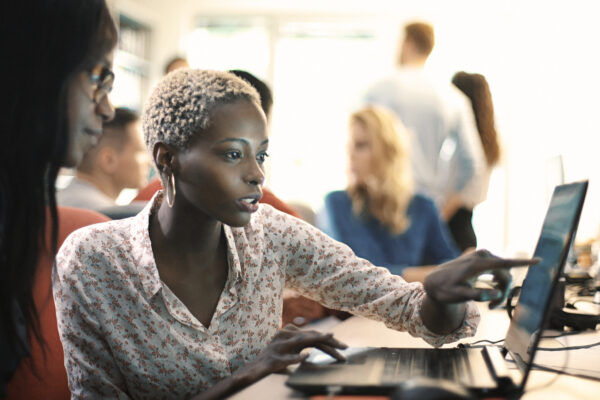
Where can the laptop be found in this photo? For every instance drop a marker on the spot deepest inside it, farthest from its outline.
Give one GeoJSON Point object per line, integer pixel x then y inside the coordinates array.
{"type": "Point", "coordinates": [484, 371]}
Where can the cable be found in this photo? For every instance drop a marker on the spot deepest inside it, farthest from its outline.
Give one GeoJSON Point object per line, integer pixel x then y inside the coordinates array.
{"type": "Point", "coordinates": [544, 368]}
{"type": "Point", "coordinates": [563, 372]}
{"type": "Point", "coordinates": [495, 342]}
{"type": "Point", "coordinates": [585, 346]}
{"type": "Point", "coordinates": [474, 344]}
{"type": "Point", "coordinates": [564, 333]}
{"type": "Point", "coordinates": [539, 386]}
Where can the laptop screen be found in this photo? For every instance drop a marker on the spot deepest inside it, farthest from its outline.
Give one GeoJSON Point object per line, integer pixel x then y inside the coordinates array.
{"type": "Point", "coordinates": [531, 311]}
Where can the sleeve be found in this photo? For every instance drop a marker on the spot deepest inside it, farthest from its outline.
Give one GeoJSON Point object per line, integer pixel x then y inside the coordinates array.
{"type": "Point", "coordinates": [327, 219]}
{"type": "Point", "coordinates": [329, 272]}
{"type": "Point", "coordinates": [334, 219]}
{"type": "Point", "coordinates": [89, 361]}
{"type": "Point", "coordinates": [341, 225]}
{"type": "Point", "coordinates": [440, 246]}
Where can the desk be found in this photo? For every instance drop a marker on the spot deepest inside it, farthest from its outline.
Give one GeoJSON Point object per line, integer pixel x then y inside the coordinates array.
{"type": "Point", "coordinates": [359, 332]}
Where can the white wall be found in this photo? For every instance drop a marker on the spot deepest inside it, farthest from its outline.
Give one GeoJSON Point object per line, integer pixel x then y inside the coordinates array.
{"type": "Point", "coordinates": [540, 59]}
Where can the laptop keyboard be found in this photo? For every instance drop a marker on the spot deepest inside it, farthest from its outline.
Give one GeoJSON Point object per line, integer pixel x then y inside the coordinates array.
{"type": "Point", "coordinates": [447, 364]}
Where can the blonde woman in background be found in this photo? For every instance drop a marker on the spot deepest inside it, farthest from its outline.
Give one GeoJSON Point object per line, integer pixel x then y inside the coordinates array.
{"type": "Point", "coordinates": [379, 215]}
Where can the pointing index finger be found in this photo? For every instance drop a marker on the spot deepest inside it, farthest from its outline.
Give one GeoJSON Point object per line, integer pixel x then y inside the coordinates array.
{"type": "Point", "coordinates": [501, 263]}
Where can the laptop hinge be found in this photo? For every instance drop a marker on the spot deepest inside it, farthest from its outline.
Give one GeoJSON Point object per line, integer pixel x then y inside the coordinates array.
{"type": "Point", "coordinates": [497, 364]}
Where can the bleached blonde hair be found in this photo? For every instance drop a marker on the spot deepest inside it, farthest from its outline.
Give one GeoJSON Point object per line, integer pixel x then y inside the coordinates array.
{"type": "Point", "coordinates": [181, 103]}
{"type": "Point", "coordinates": [386, 193]}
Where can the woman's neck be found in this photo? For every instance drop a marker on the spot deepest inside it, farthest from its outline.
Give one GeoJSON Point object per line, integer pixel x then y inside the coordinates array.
{"type": "Point", "coordinates": [184, 232]}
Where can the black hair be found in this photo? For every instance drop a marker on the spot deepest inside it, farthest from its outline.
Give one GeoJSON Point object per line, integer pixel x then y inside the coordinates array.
{"type": "Point", "coordinates": [123, 117]}
{"type": "Point", "coordinates": [48, 46]}
{"type": "Point", "coordinates": [476, 88]}
{"type": "Point", "coordinates": [266, 96]}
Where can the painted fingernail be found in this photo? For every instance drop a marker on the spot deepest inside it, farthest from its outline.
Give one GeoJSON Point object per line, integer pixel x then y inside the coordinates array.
{"type": "Point", "coordinates": [491, 295]}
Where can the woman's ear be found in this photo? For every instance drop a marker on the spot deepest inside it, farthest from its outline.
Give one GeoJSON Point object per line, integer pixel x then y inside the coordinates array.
{"type": "Point", "coordinates": [163, 155]}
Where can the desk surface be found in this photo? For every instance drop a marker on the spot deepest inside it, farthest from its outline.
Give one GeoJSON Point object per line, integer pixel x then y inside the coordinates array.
{"type": "Point", "coordinates": [541, 385]}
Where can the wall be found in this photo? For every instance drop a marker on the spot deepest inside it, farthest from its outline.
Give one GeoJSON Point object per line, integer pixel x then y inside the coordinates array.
{"type": "Point", "coordinates": [539, 58]}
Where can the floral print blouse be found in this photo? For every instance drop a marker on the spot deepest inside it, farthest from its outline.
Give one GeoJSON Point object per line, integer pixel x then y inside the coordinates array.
{"type": "Point", "coordinates": [126, 335]}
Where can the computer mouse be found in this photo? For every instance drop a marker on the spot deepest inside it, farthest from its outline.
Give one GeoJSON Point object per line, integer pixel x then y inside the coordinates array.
{"type": "Point", "coordinates": [422, 388]}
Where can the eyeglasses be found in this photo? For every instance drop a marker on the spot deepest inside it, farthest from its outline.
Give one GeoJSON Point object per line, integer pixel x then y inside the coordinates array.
{"type": "Point", "coordinates": [102, 78]}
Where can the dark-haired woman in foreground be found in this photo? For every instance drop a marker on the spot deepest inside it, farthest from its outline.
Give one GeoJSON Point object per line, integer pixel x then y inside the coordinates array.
{"type": "Point", "coordinates": [58, 57]}
{"type": "Point", "coordinates": [185, 298]}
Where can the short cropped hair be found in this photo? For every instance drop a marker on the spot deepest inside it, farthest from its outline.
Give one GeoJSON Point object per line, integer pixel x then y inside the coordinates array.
{"type": "Point", "coordinates": [174, 61]}
{"type": "Point", "coordinates": [114, 135]}
{"type": "Point", "coordinates": [422, 35]}
{"type": "Point", "coordinates": [266, 96]}
{"type": "Point", "coordinates": [182, 102]}
{"type": "Point", "coordinates": [123, 117]}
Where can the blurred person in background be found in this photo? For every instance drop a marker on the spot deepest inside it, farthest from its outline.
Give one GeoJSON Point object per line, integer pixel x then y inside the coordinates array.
{"type": "Point", "coordinates": [192, 285]}
{"type": "Point", "coordinates": [438, 117]}
{"type": "Point", "coordinates": [175, 63]}
{"type": "Point", "coordinates": [379, 215]}
{"type": "Point", "coordinates": [458, 211]}
{"type": "Point", "coordinates": [118, 161]}
{"type": "Point", "coordinates": [58, 57]}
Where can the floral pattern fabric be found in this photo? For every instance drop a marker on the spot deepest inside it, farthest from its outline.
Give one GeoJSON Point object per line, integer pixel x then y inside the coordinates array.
{"type": "Point", "coordinates": [126, 335]}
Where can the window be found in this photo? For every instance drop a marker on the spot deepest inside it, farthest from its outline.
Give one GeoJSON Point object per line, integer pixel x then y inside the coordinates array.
{"type": "Point", "coordinates": [131, 64]}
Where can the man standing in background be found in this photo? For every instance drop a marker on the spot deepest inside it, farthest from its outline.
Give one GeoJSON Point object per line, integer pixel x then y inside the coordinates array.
{"type": "Point", "coordinates": [445, 150]}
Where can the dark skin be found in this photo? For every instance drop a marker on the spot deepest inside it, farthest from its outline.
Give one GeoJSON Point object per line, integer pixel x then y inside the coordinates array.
{"type": "Point", "coordinates": [451, 284]}
{"type": "Point", "coordinates": [196, 275]}
{"type": "Point", "coordinates": [219, 167]}
{"type": "Point", "coordinates": [218, 176]}
{"type": "Point", "coordinates": [187, 239]}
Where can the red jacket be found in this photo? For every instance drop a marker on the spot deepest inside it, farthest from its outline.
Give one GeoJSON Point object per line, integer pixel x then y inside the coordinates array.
{"type": "Point", "coordinates": [43, 375]}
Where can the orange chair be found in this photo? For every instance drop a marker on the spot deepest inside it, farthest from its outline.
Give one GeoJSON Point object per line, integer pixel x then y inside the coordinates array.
{"type": "Point", "coordinates": [146, 193]}
{"type": "Point", "coordinates": [42, 374]}
{"type": "Point", "coordinates": [154, 185]}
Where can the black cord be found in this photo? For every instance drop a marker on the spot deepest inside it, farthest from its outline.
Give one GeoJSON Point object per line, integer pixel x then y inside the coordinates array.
{"type": "Point", "coordinates": [541, 386]}
{"type": "Point", "coordinates": [584, 346]}
{"type": "Point", "coordinates": [563, 372]}
{"type": "Point", "coordinates": [541, 367]}
{"type": "Point", "coordinates": [564, 333]}
{"type": "Point", "coordinates": [474, 344]}
{"type": "Point", "coordinates": [495, 342]}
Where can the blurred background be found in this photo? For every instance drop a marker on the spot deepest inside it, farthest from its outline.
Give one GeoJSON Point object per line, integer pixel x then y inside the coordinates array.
{"type": "Point", "coordinates": [539, 57]}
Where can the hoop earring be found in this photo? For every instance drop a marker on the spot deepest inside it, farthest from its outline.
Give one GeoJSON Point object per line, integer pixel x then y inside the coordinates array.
{"type": "Point", "coordinates": [171, 182]}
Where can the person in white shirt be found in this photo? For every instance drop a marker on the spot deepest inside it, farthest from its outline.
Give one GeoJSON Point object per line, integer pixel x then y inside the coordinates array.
{"type": "Point", "coordinates": [118, 161]}
{"type": "Point", "coordinates": [446, 154]}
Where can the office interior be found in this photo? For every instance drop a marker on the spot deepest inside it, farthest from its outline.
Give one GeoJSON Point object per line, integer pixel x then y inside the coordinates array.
{"type": "Point", "coordinates": [539, 58]}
